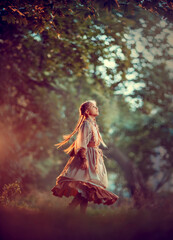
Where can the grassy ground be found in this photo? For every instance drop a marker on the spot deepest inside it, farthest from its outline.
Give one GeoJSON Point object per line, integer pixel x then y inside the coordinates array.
{"type": "Point", "coordinates": [117, 224]}
{"type": "Point", "coordinates": [50, 221]}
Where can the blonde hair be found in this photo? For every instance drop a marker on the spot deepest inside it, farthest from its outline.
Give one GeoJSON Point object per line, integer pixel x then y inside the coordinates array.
{"type": "Point", "coordinates": [82, 116]}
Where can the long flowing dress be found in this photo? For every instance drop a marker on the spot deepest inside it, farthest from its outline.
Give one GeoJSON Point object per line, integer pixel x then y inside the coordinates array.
{"type": "Point", "coordinates": [92, 182]}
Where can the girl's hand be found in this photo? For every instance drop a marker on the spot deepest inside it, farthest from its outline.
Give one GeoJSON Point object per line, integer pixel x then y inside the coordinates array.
{"type": "Point", "coordinates": [83, 158]}
{"type": "Point", "coordinates": [84, 165]}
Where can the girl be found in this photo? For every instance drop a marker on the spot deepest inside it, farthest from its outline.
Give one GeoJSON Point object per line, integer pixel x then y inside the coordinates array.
{"type": "Point", "coordinates": [84, 175]}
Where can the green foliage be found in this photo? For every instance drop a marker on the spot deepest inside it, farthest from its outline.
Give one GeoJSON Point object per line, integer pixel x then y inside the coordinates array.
{"type": "Point", "coordinates": [9, 194]}
{"type": "Point", "coordinates": [140, 132]}
{"type": "Point", "coordinates": [49, 14]}
{"type": "Point", "coordinates": [47, 79]}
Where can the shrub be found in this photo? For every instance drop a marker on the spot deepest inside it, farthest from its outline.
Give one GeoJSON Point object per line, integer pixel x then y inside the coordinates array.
{"type": "Point", "coordinates": [10, 193]}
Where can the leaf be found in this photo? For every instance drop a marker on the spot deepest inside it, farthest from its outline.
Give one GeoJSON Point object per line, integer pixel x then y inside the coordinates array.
{"type": "Point", "coordinates": [16, 10]}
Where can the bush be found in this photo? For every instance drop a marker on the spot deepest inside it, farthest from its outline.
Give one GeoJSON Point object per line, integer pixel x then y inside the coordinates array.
{"type": "Point", "coordinates": [10, 193]}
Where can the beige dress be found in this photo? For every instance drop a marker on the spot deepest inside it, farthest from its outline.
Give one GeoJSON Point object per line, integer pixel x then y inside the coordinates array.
{"type": "Point", "coordinates": [92, 182]}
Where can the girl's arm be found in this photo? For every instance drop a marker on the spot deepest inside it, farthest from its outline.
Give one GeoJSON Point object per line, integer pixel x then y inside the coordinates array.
{"type": "Point", "coordinates": [82, 140]}
{"type": "Point", "coordinates": [84, 161]}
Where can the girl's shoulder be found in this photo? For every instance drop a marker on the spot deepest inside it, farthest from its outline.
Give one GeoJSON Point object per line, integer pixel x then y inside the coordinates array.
{"type": "Point", "coordinates": [86, 124]}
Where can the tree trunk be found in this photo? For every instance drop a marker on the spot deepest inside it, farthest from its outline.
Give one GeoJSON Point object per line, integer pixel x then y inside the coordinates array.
{"type": "Point", "coordinates": [135, 181]}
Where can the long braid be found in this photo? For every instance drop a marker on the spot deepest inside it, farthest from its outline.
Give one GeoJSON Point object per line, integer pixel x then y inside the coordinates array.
{"type": "Point", "coordinates": [69, 149]}
{"type": "Point", "coordinates": [67, 137]}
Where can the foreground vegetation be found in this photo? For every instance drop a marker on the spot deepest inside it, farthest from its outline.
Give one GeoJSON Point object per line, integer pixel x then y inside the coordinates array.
{"type": "Point", "coordinates": [40, 215]}
{"type": "Point", "coordinates": [101, 223]}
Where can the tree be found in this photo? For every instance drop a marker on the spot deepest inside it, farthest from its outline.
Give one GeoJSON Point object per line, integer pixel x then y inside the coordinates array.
{"type": "Point", "coordinates": [40, 15]}
{"type": "Point", "coordinates": [39, 73]}
{"type": "Point", "coordinates": [149, 127]}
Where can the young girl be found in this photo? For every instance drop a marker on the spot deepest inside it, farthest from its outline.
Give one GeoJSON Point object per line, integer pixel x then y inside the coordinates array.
{"type": "Point", "coordinates": [84, 175]}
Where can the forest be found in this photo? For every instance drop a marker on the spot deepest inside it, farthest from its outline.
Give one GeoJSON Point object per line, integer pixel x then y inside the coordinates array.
{"type": "Point", "coordinates": [56, 55]}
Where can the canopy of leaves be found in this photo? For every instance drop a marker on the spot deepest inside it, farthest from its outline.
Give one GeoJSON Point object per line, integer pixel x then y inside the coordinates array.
{"type": "Point", "coordinates": [44, 14]}
{"type": "Point", "coordinates": [43, 81]}
{"type": "Point", "coordinates": [146, 133]}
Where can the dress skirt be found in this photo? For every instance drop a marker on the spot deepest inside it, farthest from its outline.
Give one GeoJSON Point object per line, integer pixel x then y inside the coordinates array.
{"type": "Point", "coordinates": [91, 183]}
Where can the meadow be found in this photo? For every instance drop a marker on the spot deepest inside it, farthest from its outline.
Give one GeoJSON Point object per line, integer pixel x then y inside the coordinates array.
{"type": "Point", "coordinates": [47, 218]}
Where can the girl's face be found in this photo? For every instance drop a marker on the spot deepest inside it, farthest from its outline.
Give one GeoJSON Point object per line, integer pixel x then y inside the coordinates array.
{"type": "Point", "coordinates": [93, 110]}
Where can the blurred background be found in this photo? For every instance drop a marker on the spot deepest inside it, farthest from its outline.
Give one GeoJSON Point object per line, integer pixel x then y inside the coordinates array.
{"type": "Point", "coordinates": [57, 54]}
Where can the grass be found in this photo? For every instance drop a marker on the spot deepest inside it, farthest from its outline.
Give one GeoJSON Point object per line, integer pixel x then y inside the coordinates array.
{"type": "Point", "coordinates": [42, 216]}
{"type": "Point", "coordinates": [105, 223]}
